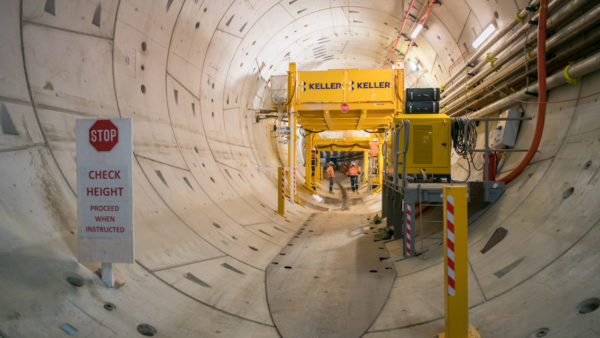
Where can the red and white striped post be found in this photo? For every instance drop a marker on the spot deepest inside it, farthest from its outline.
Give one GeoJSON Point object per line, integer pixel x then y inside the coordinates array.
{"type": "Point", "coordinates": [456, 288]}
{"type": "Point", "coordinates": [409, 235]}
{"type": "Point", "coordinates": [450, 246]}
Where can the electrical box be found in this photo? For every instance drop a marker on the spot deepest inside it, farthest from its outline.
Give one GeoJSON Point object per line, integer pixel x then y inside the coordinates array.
{"type": "Point", "coordinates": [505, 134]}
{"type": "Point", "coordinates": [429, 144]}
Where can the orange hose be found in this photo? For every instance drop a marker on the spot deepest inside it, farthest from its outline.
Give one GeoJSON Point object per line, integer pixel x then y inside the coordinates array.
{"type": "Point", "coordinates": [420, 22]}
{"type": "Point", "coordinates": [401, 29]}
{"type": "Point", "coordinates": [541, 69]}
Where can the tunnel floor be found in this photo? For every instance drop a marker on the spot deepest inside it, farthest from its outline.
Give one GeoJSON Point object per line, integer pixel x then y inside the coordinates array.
{"type": "Point", "coordinates": [332, 279]}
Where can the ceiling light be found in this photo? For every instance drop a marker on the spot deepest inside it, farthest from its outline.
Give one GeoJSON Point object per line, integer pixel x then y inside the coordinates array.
{"type": "Point", "coordinates": [416, 31]}
{"type": "Point", "coordinates": [484, 35]}
{"type": "Point", "coordinates": [413, 65]}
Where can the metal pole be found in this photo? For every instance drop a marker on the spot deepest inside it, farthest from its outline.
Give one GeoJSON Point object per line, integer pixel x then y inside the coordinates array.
{"type": "Point", "coordinates": [292, 149]}
{"type": "Point", "coordinates": [281, 195]}
{"type": "Point", "coordinates": [395, 155]}
{"type": "Point", "coordinates": [107, 275]}
{"type": "Point", "coordinates": [487, 150]}
{"type": "Point", "coordinates": [420, 215]}
{"type": "Point", "coordinates": [308, 163]}
{"type": "Point", "coordinates": [406, 140]}
{"type": "Point", "coordinates": [365, 171]}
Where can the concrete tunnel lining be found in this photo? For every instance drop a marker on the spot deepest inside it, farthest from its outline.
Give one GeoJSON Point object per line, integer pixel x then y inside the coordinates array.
{"type": "Point", "coordinates": [57, 68]}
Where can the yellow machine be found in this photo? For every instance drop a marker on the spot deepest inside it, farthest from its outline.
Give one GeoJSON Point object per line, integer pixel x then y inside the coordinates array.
{"type": "Point", "coordinates": [428, 145]}
{"type": "Point", "coordinates": [345, 99]}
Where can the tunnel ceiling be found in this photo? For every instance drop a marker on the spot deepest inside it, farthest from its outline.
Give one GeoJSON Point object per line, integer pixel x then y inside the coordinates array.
{"type": "Point", "coordinates": [361, 34]}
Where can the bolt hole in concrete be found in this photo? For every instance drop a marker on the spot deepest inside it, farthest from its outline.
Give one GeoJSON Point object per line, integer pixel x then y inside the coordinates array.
{"type": "Point", "coordinates": [588, 305]}
{"type": "Point", "coordinates": [541, 332]}
{"type": "Point", "coordinates": [588, 164]}
{"type": "Point", "coordinates": [568, 193]}
{"type": "Point", "coordinates": [109, 306]}
{"type": "Point", "coordinates": [287, 267]}
{"type": "Point", "coordinates": [373, 271]}
{"type": "Point", "coordinates": [143, 89]}
{"type": "Point", "coordinates": [75, 280]}
{"type": "Point", "coordinates": [275, 263]}
{"type": "Point", "coordinates": [146, 330]}
{"type": "Point", "coordinates": [197, 25]}
{"type": "Point", "coordinates": [144, 46]}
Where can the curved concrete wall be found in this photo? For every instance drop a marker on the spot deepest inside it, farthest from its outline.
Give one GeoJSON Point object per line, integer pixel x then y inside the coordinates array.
{"type": "Point", "coordinates": [187, 72]}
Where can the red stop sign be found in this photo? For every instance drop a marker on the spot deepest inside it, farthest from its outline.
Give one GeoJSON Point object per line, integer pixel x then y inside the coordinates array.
{"type": "Point", "coordinates": [344, 108]}
{"type": "Point", "coordinates": [104, 135]}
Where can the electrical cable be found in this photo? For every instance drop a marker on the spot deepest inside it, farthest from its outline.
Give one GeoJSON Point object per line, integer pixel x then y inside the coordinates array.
{"type": "Point", "coordinates": [463, 144]}
{"type": "Point", "coordinates": [293, 93]}
{"type": "Point", "coordinates": [396, 90]}
{"type": "Point", "coordinates": [343, 146]}
{"type": "Point", "coordinates": [312, 131]}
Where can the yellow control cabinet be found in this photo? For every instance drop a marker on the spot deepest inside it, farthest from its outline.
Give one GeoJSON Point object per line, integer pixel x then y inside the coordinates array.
{"type": "Point", "coordinates": [429, 143]}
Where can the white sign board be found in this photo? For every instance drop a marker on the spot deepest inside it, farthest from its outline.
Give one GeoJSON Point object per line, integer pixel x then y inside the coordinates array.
{"type": "Point", "coordinates": [104, 190]}
{"type": "Point", "coordinates": [282, 141]}
{"type": "Point", "coordinates": [283, 131]}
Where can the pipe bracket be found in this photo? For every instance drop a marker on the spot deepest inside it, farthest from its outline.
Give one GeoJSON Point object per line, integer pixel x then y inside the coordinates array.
{"type": "Point", "coordinates": [569, 79]}
{"type": "Point", "coordinates": [520, 18]}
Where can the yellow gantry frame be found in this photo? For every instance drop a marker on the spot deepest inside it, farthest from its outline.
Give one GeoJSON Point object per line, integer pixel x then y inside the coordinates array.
{"type": "Point", "coordinates": [316, 98]}
{"type": "Point", "coordinates": [314, 144]}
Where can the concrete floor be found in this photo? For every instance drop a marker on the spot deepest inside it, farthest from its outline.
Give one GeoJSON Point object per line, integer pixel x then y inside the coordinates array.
{"type": "Point", "coordinates": [206, 233]}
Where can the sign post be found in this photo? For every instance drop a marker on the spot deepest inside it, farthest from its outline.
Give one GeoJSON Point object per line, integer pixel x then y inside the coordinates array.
{"type": "Point", "coordinates": [105, 193]}
{"type": "Point", "coordinates": [456, 290]}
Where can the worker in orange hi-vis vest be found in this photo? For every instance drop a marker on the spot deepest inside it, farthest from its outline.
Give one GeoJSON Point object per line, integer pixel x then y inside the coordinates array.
{"type": "Point", "coordinates": [353, 172]}
{"type": "Point", "coordinates": [331, 176]}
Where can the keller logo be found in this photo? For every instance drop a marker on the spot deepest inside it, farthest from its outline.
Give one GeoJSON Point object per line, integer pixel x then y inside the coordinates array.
{"type": "Point", "coordinates": [321, 86]}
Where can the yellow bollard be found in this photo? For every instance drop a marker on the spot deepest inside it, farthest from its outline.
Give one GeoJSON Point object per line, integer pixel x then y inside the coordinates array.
{"type": "Point", "coordinates": [281, 194]}
{"type": "Point", "coordinates": [456, 289]}
{"type": "Point", "coordinates": [366, 166]}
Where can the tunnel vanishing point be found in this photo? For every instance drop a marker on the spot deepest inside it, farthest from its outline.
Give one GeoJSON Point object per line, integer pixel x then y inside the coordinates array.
{"type": "Point", "coordinates": [212, 256]}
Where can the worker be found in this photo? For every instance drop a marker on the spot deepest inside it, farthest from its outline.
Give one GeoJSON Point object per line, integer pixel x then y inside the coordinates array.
{"type": "Point", "coordinates": [331, 176]}
{"type": "Point", "coordinates": [353, 172]}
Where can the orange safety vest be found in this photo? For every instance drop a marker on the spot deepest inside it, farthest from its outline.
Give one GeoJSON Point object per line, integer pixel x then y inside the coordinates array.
{"type": "Point", "coordinates": [353, 171]}
{"type": "Point", "coordinates": [330, 173]}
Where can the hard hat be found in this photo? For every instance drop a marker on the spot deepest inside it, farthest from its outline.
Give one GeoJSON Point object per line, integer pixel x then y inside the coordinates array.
{"type": "Point", "coordinates": [330, 163]}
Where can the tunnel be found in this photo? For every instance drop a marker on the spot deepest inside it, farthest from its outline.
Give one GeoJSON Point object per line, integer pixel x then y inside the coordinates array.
{"type": "Point", "coordinates": [212, 256]}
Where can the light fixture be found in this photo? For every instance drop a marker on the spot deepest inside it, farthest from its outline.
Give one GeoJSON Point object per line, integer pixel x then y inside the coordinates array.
{"type": "Point", "coordinates": [484, 35]}
{"type": "Point", "coordinates": [413, 65]}
{"type": "Point", "coordinates": [416, 31]}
